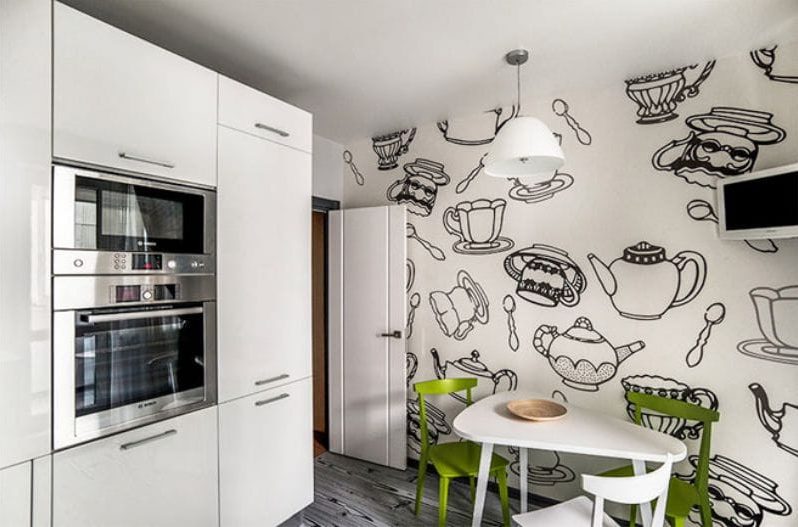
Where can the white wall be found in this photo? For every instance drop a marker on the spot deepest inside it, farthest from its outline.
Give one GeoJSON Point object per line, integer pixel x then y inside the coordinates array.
{"type": "Point", "coordinates": [327, 169]}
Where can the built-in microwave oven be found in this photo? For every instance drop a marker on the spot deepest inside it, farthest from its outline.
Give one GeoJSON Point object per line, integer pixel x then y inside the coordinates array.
{"type": "Point", "coordinates": [130, 350]}
{"type": "Point", "coordinates": [113, 224]}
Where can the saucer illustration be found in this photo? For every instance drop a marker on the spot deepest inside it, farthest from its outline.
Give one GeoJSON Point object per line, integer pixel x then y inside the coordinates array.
{"type": "Point", "coordinates": [466, 247]}
{"type": "Point", "coordinates": [541, 191]}
{"type": "Point", "coordinates": [764, 349]}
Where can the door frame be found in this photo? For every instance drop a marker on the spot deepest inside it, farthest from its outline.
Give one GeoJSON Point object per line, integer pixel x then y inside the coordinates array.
{"type": "Point", "coordinates": [324, 206]}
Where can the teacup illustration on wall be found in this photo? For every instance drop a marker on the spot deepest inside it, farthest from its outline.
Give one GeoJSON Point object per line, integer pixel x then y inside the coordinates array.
{"type": "Point", "coordinates": [390, 146]}
{"type": "Point", "coordinates": [777, 67]}
{"type": "Point", "coordinates": [546, 276]}
{"type": "Point", "coordinates": [460, 309]}
{"type": "Point", "coordinates": [581, 355]}
{"type": "Point", "coordinates": [472, 366]}
{"type": "Point", "coordinates": [657, 95]}
{"type": "Point", "coordinates": [419, 187]}
{"type": "Point", "coordinates": [777, 316]}
{"type": "Point", "coordinates": [672, 389]}
{"type": "Point", "coordinates": [474, 133]}
{"type": "Point", "coordinates": [643, 283]}
{"type": "Point", "coordinates": [722, 143]}
{"type": "Point", "coordinates": [545, 468]}
{"type": "Point", "coordinates": [478, 225]}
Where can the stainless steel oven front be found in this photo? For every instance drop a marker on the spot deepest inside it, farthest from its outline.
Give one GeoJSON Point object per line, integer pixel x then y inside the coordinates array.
{"type": "Point", "coordinates": [129, 350]}
{"type": "Point", "coordinates": [100, 220]}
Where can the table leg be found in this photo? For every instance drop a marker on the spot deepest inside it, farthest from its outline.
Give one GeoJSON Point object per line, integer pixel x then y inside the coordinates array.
{"type": "Point", "coordinates": [645, 508]}
{"type": "Point", "coordinates": [482, 483]}
{"type": "Point", "coordinates": [523, 466]}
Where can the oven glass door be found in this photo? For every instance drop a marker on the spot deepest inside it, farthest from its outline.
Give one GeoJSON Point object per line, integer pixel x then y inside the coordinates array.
{"type": "Point", "coordinates": [115, 216]}
{"type": "Point", "coordinates": [133, 363]}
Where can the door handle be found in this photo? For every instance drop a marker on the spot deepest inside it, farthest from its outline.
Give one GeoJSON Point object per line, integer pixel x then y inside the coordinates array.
{"type": "Point", "coordinates": [130, 157]}
{"type": "Point", "coordinates": [134, 444]}
{"type": "Point", "coordinates": [281, 133]}
{"type": "Point", "coordinates": [394, 334]}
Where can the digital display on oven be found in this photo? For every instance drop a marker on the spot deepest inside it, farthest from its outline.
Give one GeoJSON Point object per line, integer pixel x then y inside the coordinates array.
{"type": "Point", "coordinates": [147, 262]}
{"type": "Point", "coordinates": [165, 292]}
{"type": "Point", "coordinates": [128, 293]}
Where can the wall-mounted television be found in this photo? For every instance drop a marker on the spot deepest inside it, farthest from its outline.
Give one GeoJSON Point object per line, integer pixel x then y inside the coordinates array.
{"type": "Point", "coordinates": [763, 204]}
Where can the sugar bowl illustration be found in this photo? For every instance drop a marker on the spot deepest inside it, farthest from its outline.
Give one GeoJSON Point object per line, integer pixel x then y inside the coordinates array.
{"type": "Point", "coordinates": [458, 310]}
{"type": "Point", "coordinates": [657, 95]}
{"type": "Point", "coordinates": [643, 283]}
{"type": "Point", "coordinates": [390, 146]}
{"type": "Point", "coordinates": [581, 355]}
{"type": "Point", "coordinates": [777, 317]}
{"type": "Point", "coordinates": [478, 225]}
{"type": "Point", "coordinates": [418, 189]}
{"type": "Point", "coordinates": [778, 66]}
{"type": "Point", "coordinates": [546, 276]}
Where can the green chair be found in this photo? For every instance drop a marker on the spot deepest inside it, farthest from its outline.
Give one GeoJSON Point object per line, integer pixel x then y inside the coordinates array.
{"type": "Point", "coordinates": [682, 496]}
{"type": "Point", "coordinates": [454, 460]}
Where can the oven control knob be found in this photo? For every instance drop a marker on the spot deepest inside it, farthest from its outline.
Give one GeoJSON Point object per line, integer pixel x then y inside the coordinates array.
{"type": "Point", "coordinates": [171, 264]}
{"type": "Point", "coordinates": [194, 264]}
{"type": "Point", "coordinates": [146, 295]}
{"type": "Point", "coordinates": [78, 262]}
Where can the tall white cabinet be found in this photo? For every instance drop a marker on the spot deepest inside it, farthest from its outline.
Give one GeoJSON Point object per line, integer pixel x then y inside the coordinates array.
{"type": "Point", "coordinates": [24, 230]}
{"type": "Point", "coordinates": [264, 328]}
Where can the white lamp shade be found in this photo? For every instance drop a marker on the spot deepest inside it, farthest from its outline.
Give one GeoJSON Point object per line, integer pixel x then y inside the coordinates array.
{"type": "Point", "coordinates": [524, 147]}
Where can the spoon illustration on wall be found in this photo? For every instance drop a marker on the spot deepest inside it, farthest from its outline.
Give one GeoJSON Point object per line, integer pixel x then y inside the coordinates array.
{"type": "Point", "coordinates": [713, 316]}
{"type": "Point", "coordinates": [415, 301]}
{"type": "Point", "coordinates": [560, 108]}
{"type": "Point", "coordinates": [509, 307]}
{"type": "Point", "coordinates": [434, 251]}
{"type": "Point", "coordinates": [463, 185]}
{"type": "Point", "coordinates": [358, 176]}
{"type": "Point", "coordinates": [701, 210]}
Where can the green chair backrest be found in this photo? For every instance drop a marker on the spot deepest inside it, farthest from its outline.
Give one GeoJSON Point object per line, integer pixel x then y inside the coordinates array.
{"type": "Point", "coordinates": [689, 412]}
{"type": "Point", "coordinates": [439, 387]}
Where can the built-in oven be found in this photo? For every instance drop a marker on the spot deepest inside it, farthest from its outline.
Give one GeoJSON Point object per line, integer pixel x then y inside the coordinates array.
{"type": "Point", "coordinates": [129, 350]}
{"type": "Point", "coordinates": [108, 223]}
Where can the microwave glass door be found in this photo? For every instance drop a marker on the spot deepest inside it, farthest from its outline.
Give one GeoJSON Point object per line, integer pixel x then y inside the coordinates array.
{"type": "Point", "coordinates": [142, 358]}
{"type": "Point", "coordinates": [114, 216]}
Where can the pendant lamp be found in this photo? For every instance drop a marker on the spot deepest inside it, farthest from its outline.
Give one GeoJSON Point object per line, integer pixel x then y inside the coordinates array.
{"type": "Point", "coordinates": [524, 147]}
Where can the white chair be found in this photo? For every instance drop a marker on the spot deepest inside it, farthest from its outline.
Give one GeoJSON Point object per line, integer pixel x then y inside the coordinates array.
{"type": "Point", "coordinates": [580, 512]}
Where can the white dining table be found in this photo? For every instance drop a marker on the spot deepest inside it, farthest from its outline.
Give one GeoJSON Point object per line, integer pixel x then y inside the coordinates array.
{"type": "Point", "coordinates": [579, 431]}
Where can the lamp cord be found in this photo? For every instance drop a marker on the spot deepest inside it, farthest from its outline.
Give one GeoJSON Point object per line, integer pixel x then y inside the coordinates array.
{"type": "Point", "coordinates": [518, 85]}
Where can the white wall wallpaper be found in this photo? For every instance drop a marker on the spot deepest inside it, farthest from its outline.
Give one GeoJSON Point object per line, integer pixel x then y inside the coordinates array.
{"type": "Point", "coordinates": [621, 244]}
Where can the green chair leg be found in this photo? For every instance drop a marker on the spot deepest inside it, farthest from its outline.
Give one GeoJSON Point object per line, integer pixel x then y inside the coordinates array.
{"type": "Point", "coordinates": [706, 514]}
{"type": "Point", "coordinates": [473, 488]}
{"type": "Point", "coordinates": [501, 477]}
{"type": "Point", "coordinates": [443, 501]}
{"type": "Point", "coordinates": [633, 516]}
{"type": "Point", "coordinates": [422, 472]}
{"type": "Point", "coordinates": [677, 521]}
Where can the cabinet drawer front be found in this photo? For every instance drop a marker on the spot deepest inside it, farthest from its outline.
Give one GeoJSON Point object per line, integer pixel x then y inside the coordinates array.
{"type": "Point", "coordinates": [266, 456]}
{"type": "Point", "coordinates": [163, 474]}
{"type": "Point", "coordinates": [254, 112]}
{"type": "Point", "coordinates": [15, 495]}
{"type": "Point", "coordinates": [124, 103]}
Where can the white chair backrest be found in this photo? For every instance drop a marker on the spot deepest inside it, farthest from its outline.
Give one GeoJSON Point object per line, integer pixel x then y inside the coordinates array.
{"type": "Point", "coordinates": [629, 490]}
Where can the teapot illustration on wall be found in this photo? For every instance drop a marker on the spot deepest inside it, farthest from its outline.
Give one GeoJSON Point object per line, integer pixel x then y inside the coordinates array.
{"type": "Point", "coordinates": [472, 366]}
{"type": "Point", "coordinates": [782, 424]}
{"type": "Point", "coordinates": [581, 355]}
{"type": "Point", "coordinates": [643, 283]}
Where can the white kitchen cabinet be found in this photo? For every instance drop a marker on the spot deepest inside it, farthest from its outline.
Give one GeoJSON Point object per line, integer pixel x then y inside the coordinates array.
{"type": "Point", "coordinates": [161, 475]}
{"type": "Point", "coordinates": [263, 267]}
{"type": "Point", "coordinates": [15, 495]}
{"type": "Point", "coordinates": [124, 103]}
{"type": "Point", "coordinates": [254, 112]}
{"type": "Point", "coordinates": [266, 456]}
{"type": "Point", "coordinates": [24, 230]}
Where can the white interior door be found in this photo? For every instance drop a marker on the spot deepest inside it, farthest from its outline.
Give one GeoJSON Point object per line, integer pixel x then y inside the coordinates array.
{"type": "Point", "coordinates": [367, 343]}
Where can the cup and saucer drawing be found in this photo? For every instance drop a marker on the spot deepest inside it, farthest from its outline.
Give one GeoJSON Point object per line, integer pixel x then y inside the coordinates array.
{"type": "Point", "coordinates": [764, 349]}
{"type": "Point", "coordinates": [540, 191]}
{"type": "Point", "coordinates": [776, 312]}
{"type": "Point", "coordinates": [468, 247]}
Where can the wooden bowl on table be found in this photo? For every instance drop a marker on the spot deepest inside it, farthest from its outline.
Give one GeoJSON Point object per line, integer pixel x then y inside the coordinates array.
{"type": "Point", "coordinates": [537, 409]}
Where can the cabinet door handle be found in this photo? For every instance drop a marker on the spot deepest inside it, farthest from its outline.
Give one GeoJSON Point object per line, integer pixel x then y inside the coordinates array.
{"type": "Point", "coordinates": [273, 399]}
{"type": "Point", "coordinates": [281, 133]}
{"type": "Point", "coordinates": [271, 379]}
{"type": "Point", "coordinates": [393, 334]}
{"type": "Point", "coordinates": [134, 444]}
{"type": "Point", "coordinates": [165, 164]}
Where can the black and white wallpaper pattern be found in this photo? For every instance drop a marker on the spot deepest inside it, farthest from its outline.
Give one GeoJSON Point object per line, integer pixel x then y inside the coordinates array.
{"type": "Point", "coordinates": [507, 278]}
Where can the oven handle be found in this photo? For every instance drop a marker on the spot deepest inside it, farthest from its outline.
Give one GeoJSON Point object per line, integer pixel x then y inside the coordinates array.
{"type": "Point", "coordinates": [134, 444]}
{"type": "Point", "coordinates": [136, 315]}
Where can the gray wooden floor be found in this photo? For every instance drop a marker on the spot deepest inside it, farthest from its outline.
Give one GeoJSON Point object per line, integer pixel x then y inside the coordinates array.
{"type": "Point", "coordinates": [355, 493]}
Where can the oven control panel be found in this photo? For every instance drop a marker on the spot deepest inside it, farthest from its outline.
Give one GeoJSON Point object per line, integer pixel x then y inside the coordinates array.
{"type": "Point", "coordinates": [70, 262]}
{"type": "Point", "coordinates": [144, 293]}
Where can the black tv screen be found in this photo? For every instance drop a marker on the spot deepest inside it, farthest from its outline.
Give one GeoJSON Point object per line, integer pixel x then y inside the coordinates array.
{"type": "Point", "coordinates": [762, 203]}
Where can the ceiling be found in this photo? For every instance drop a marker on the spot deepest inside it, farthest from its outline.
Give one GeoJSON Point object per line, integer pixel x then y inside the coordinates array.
{"type": "Point", "coordinates": [370, 66]}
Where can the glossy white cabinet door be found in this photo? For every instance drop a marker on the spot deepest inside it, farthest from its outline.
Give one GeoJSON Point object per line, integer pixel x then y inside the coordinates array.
{"type": "Point", "coordinates": [24, 230]}
{"type": "Point", "coordinates": [264, 211]}
{"type": "Point", "coordinates": [254, 112]}
{"type": "Point", "coordinates": [266, 456]}
{"type": "Point", "coordinates": [116, 95]}
{"type": "Point", "coordinates": [15, 496]}
{"type": "Point", "coordinates": [161, 475]}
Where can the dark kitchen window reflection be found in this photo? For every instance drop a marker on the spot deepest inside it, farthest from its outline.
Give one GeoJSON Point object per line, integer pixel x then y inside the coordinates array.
{"type": "Point", "coordinates": [131, 361]}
